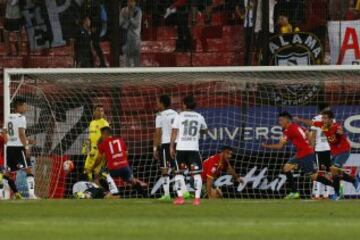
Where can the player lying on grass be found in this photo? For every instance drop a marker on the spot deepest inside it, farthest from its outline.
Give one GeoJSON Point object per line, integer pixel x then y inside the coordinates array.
{"type": "Point", "coordinates": [4, 174]}
{"type": "Point", "coordinates": [90, 190]}
{"type": "Point", "coordinates": [91, 146]}
{"type": "Point", "coordinates": [187, 129]}
{"type": "Point", "coordinates": [164, 118]}
{"type": "Point", "coordinates": [304, 157]}
{"type": "Point", "coordinates": [340, 151]}
{"type": "Point", "coordinates": [322, 150]}
{"type": "Point", "coordinates": [113, 151]}
{"type": "Point", "coordinates": [213, 167]}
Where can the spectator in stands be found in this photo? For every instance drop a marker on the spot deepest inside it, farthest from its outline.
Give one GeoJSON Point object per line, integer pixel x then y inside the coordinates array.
{"type": "Point", "coordinates": [283, 25]}
{"type": "Point", "coordinates": [130, 22]}
{"type": "Point", "coordinates": [83, 45]}
{"type": "Point", "coordinates": [246, 11]}
{"type": "Point", "coordinates": [95, 9]}
{"type": "Point", "coordinates": [181, 9]}
{"type": "Point", "coordinates": [13, 23]}
{"type": "Point", "coordinates": [293, 9]}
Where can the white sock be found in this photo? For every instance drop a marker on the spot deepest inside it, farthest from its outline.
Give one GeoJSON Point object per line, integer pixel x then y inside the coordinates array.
{"type": "Point", "coordinates": [31, 185]}
{"type": "Point", "coordinates": [2, 196]}
{"type": "Point", "coordinates": [315, 190]}
{"type": "Point", "coordinates": [326, 191]}
{"type": "Point", "coordinates": [112, 186]}
{"type": "Point", "coordinates": [166, 185]}
{"type": "Point", "coordinates": [318, 186]}
{"type": "Point", "coordinates": [180, 185]}
{"type": "Point", "coordinates": [197, 185]}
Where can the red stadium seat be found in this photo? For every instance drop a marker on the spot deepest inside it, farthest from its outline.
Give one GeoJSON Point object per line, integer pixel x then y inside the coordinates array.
{"type": "Point", "coordinates": [217, 59]}
{"type": "Point", "coordinates": [166, 33]}
{"type": "Point", "coordinates": [158, 46]}
{"type": "Point", "coordinates": [61, 51]}
{"type": "Point", "coordinates": [11, 62]}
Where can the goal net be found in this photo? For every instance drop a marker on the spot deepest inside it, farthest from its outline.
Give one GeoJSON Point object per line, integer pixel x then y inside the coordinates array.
{"type": "Point", "coordinates": [240, 106]}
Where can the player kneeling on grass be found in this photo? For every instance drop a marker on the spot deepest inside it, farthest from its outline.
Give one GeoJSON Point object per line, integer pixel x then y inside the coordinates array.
{"type": "Point", "coordinates": [90, 190]}
{"type": "Point", "coordinates": [213, 167]}
{"type": "Point", "coordinates": [340, 151]}
{"type": "Point", "coordinates": [187, 129]}
{"type": "Point", "coordinates": [113, 151]}
{"type": "Point", "coordinates": [304, 158]}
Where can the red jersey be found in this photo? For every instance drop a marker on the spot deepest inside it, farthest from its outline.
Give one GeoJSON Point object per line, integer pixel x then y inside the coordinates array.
{"type": "Point", "coordinates": [114, 150]}
{"type": "Point", "coordinates": [296, 135]}
{"type": "Point", "coordinates": [2, 142]}
{"type": "Point", "coordinates": [338, 142]}
{"type": "Point", "coordinates": [212, 167]}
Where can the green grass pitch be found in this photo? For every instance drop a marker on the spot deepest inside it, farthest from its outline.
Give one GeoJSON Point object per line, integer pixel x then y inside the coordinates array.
{"type": "Point", "coordinates": [150, 219]}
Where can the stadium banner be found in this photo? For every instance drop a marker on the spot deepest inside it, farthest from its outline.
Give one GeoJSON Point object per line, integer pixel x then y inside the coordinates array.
{"type": "Point", "coordinates": [242, 127]}
{"type": "Point", "coordinates": [246, 129]}
{"type": "Point", "coordinates": [49, 23]}
{"type": "Point", "coordinates": [344, 42]}
{"type": "Point", "coordinates": [298, 48]}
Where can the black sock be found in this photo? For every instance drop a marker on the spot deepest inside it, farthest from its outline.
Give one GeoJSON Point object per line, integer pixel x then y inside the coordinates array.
{"type": "Point", "coordinates": [103, 183]}
{"type": "Point", "coordinates": [11, 184]}
{"type": "Point", "coordinates": [336, 184]}
{"type": "Point", "coordinates": [346, 177]}
{"type": "Point", "coordinates": [291, 183]}
{"type": "Point", "coordinates": [140, 189]}
{"type": "Point", "coordinates": [324, 180]}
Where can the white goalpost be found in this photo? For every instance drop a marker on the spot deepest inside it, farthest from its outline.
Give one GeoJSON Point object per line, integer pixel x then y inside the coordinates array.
{"type": "Point", "coordinates": [240, 105]}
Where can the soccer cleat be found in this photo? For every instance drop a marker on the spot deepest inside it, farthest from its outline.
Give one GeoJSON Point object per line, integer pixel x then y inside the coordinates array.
{"type": "Point", "coordinates": [357, 183]}
{"type": "Point", "coordinates": [165, 198]}
{"type": "Point", "coordinates": [196, 202]}
{"type": "Point", "coordinates": [33, 197]}
{"type": "Point", "coordinates": [187, 195]}
{"type": "Point", "coordinates": [335, 197]}
{"type": "Point", "coordinates": [179, 201]}
{"type": "Point", "coordinates": [294, 195]}
{"type": "Point", "coordinates": [18, 196]}
{"type": "Point", "coordinates": [341, 191]}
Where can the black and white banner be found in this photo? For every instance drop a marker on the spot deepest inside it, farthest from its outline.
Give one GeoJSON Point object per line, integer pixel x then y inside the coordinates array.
{"type": "Point", "coordinates": [298, 48]}
{"type": "Point", "coordinates": [49, 23]}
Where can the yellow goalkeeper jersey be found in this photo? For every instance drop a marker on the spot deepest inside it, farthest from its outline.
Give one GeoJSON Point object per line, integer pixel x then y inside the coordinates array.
{"type": "Point", "coordinates": [94, 130]}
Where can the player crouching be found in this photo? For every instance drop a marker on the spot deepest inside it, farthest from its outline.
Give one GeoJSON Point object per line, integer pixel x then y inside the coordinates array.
{"type": "Point", "coordinates": [4, 174]}
{"type": "Point", "coordinates": [213, 167]}
{"type": "Point", "coordinates": [113, 151]}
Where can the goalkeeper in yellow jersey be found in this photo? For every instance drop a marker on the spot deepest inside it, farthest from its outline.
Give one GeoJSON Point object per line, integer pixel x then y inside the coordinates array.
{"type": "Point", "coordinates": [90, 147]}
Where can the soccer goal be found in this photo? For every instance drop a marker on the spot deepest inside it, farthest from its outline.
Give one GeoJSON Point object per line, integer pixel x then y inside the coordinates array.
{"type": "Point", "coordinates": [240, 106]}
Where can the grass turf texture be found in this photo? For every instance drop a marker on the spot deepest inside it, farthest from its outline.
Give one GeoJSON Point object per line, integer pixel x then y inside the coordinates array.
{"type": "Point", "coordinates": [151, 219]}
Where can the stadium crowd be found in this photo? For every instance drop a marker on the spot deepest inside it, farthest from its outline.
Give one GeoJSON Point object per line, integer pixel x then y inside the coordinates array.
{"type": "Point", "coordinates": [163, 33]}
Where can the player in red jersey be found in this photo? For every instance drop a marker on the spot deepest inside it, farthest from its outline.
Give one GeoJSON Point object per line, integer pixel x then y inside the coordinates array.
{"type": "Point", "coordinates": [113, 151]}
{"type": "Point", "coordinates": [340, 150]}
{"type": "Point", "coordinates": [4, 174]}
{"type": "Point", "coordinates": [304, 157]}
{"type": "Point", "coordinates": [212, 168]}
